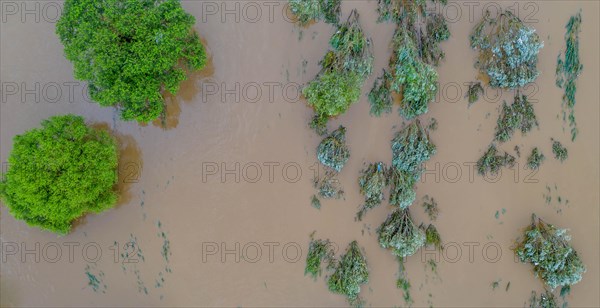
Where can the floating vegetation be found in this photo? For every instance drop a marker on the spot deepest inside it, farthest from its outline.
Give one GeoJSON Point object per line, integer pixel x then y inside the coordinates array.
{"type": "Point", "coordinates": [343, 70]}
{"type": "Point", "coordinates": [315, 202]}
{"type": "Point", "coordinates": [475, 89]}
{"type": "Point", "coordinates": [492, 161]}
{"type": "Point", "coordinates": [333, 151]}
{"type": "Point", "coordinates": [431, 207]}
{"type": "Point", "coordinates": [496, 284]}
{"type": "Point", "coordinates": [560, 152]}
{"type": "Point", "coordinates": [400, 234]}
{"type": "Point", "coordinates": [402, 188]}
{"type": "Point", "coordinates": [380, 96]}
{"type": "Point", "coordinates": [411, 147]}
{"type": "Point", "coordinates": [518, 116]}
{"type": "Point", "coordinates": [568, 70]}
{"type": "Point", "coordinates": [166, 247]}
{"type": "Point", "coordinates": [547, 249]}
{"type": "Point", "coordinates": [545, 300]}
{"type": "Point", "coordinates": [508, 50]}
{"type": "Point", "coordinates": [308, 11]}
{"type": "Point", "coordinates": [95, 281]}
{"type": "Point", "coordinates": [404, 284]}
{"type": "Point", "coordinates": [433, 125]}
{"type": "Point", "coordinates": [432, 237]}
{"type": "Point", "coordinates": [350, 273]}
{"type": "Point", "coordinates": [535, 159]}
{"type": "Point", "coordinates": [328, 185]}
{"type": "Point", "coordinates": [318, 251]}
{"type": "Point", "coordinates": [372, 182]}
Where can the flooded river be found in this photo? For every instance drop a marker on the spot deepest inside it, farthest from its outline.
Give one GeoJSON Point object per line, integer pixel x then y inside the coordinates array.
{"type": "Point", "coordinates": [215, 205]}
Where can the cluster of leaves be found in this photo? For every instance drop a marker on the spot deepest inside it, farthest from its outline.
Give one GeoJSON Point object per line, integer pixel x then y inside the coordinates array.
{"type": "Point", "coordinates": [308, 11]}
{"type": "Point", "coordinates": [547, 249]}
{"type": "Point", "coordinates": [380, 97]}
{"type": "Point", "coordinates": [372, 182]}
{"type": "Point", "coordinates": [59, 173]}
{"type": "Point", "coordinates": [411, 147]}
{"type": "Point", "coordinates": [545, 300]}
{"type": "Point", "coordinates": [343, 70]}
{"type": "Point", "coordinates": [130, 51]}
{"type": "Point", "coordinates": [560, 152]}
{"type": "Point", "coordinates": [492, 161]}
{"type": "Point", "coordinates": [568, 69]}
{"type": "Point", "coordinates": [475, 89]}
{"type": "Point", "coordinates": [350, 273]}
{"type": "Point", "coordinates": [318, 251]}
{"type": "Point", "coordinates": [431, 207]}
{"type": "Point", "coordinates": [328, 186]}
{"type": "Point", "coordinates": [333, 151]}
{"type": "Point", "coordinates": [432, 237]}
{"type": "Point", "coordinates": [519, 115]}
{"type": "Point", "coordinates": [535, 159]}
{"type": "Point", "coordinates": [508, 50]}
{"type": "Point", "coordinates": [400, 234]}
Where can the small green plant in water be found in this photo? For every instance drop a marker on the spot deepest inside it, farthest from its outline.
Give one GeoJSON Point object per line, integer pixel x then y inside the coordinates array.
{"type": "Point", "coordinates": [432, 237]}
{"type": "Point", "coordinates": [431, 207]}
{"type": "Point", "coordinates": [380, 96]}
{"type": "Point", "coordinates": [518, 116]}
{"type": "Point", "coordinates": [475, 89]}
{"type": "Point", "coordinates": [372, 182]}
{"type": "Point", "coordinates": [318, 251]}
{"type": "Point", "coordinates": [508, 50]}
{"type": "Point", "coordinates": [492, 161]}
{"type": "Point", "coordinates": [307, 11]}
{"type": "Point", "coordinates": [350, 273]}
{"type": "Point", "coordinates": [400, 234]}
{"type": "Point", "coordinates": [545, 300]}
{"type": "Point", "coordinates": [560, 152]}
{"type": "Point", "coordinates": [315, 202]}
{"type": "Point", "coordinates": [535, 159]}
{"type": "Point", "coordinates": [333, 151]}
{"type": "Point", "coordinates": [568, 69]}
{"type": "Point", "coordinates": [547, 249]}
{"type": "Point", "coordinates": [411, 147]}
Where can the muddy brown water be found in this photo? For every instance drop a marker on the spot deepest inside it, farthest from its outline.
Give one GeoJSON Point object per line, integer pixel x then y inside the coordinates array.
{"type": "Point", "coordinates": [238, 234]}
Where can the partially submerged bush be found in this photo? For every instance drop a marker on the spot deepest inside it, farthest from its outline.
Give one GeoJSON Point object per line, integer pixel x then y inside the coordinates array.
{"type": "Point", "coordinates": [318, 251]}
{"type": "Point", "coordinates": [492, 161]}
{"type": "Point", "coordinates": [432, 237]}
{"type": "Point", "coordinates": [328, 185]}
{"type": "Point", "coordinates": [411, 147]}
{"type": "Point", "coordinates": [350, 273]}
{"type": "Point", "coordinates": [59, 173]}
{"type": "Point", "coordinates": [508, 50]}
{"type": "Point", "coordinates": [518, 116]}
{"type": "Point", "coordinates": [372, 182]}
{"type": "Point", "coordinates": [314, 10]}
{"type": "Point", "coordinates": [431, 207]}
{"type": "Point", "coordinates": [535, 159]}
{"type": "Point", "coordinates": [475, 89]}
{"type": "Point", "coordinates": [547, 249]}
{"type": "Point", "coordinates": [380, 97]}
{"type": "Point", "coordinates": [402, 188]}
{"type": "Point", "coordinates": [400, 234]}
{"type": "Point", "coordinates": [343, 71]}
{"type": "Point", "coordinates": [545, 300]}
{"type": "Point", "coordinates": [130, 51]}
{"type": "Point", "coordinates": [333, 151]}
{"type": "Point", "coordinates": [560, 152]}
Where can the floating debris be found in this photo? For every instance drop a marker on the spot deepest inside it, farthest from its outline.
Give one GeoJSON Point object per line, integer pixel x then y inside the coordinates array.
{"type": "Point", "coordinates": [333, 151]}
{"type": "Point", "coordinates": [535, 159]}
{"type": "Point", "coordinates": [350, 273]}
{"type": "Point", "coordinates": [508, 50]}
{"type": "Point", "coordinates": [475, 89]}
{"type": "Point", "coordinates": [496, 284]}
{"type": "Point", "coordinates": [307, 11]}
{"type": "Point", "coordinates": [372, 182]}
{"type": "Point", "coordinates": [547, 249]}
{"type": "Point", "coordinates": [400, 234]}
{"type": "Point", "coordinates": [431, 207]}
{"type": "Point", "coordinates": [518, 116]}
{"type": "Point", "coordinates": [491, 161]}
{"type": "Point", "coordinates": [560, 152]}
{"type": "Point", "coordinates": [318, 251]}
{"type": "Point", "coordinates": [568, 70]}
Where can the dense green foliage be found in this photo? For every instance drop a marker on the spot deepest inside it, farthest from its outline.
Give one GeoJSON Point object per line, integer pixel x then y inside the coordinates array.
{"type": "Point", "coordinates": [535, 159]}
{"type": "Point", "coordinates": [350, 273]}
{"type": "Point", "coordinates": [402, 187]}
{"type": "Point", "coordinates": [343, 70]}
{"type": "Point", "coordinates": [560, 152]}
{"type": "Point", "coordinates": [333, 151]}
{"type": "Point", "coordinates": [400, 234]}
{"type": "Point", "coordinates": [130, 51]}
{"type": "Point", "coordinates": [519, 115]}
{"type": "Point", "coordinates": [308, 11]}
{"type": "Point", "coordinates": [547, 249]}
{"type": "Point", "coordinates": [318, 251]}
{"type": "Point", "coordinates": [568, 69]}
{"type": "Point", "coordinates": [380, 97]}
{"type": "Point", "coordinates": [508, 50]}
{"type": "Point", "coordinates": [372, 182]}
{"type": "Point", "coordinates": [411, 147]}
{"type": "Point", "coordinates": [475, 89]}
{"type": "Point", "coordinates": [59, 173]}
{"type": "Point", "coordinates": [492, 161]}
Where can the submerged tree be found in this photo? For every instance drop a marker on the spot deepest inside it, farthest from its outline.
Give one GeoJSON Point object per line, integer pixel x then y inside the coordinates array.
{"type": "Point", "coordinates": [560, 152]}
{"type": "Point", "coordinates": [129, 52]}
{"type": "Point", "coordinates": [535, 159]}
{"type": "Point", "coordinates": [350, 273]}
{"type": "Point", "coordinates": [568, 70]}
{"type": "Point", "coordinates": [508, 50]}
{"type": "Point", "coordinates": [545, 300]}
{"type": "Point", "coordinates": [318, 252]}
{"type": "Point", "coordinates": [333, 151]}
{"type": "Point", "coordinates": [372, 182]}
{"type": "Point", "coordinates": [402, 187]}
{"type": "Point", "coordinates": [411, 147]}
{"type": "Point", "coordinates": [328, 185]}
{"type": "Point", "coordinates": [518, 116]}
{"type": "Point", "coordinates": [492, 161]}
{"type": "Point", "coordinates": [547, 249]}
{"type": "Point", "coordinates": [400, 234]}
{"type": "Point", "coordinates": [380, 97]}
{"type": "Point", "coordinates": [308, 11]}
{"type": "Point", "coordinates": [59, 173]}
{"type": "Point", "coordinates": [475, 89]}
{"type": "Point", "coordinates": [343, 71]}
